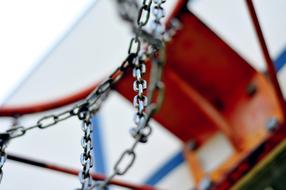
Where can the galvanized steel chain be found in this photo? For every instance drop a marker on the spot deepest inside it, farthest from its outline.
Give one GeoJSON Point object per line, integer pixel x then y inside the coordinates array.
{"type": "Point", "coordinates": [4, 140]}
{"type": "Point", "coordinates": [142, 129]}
{"type": "Point", "coordinates": [140, 100]}
{"type": "Point", "coordinates": [86, 157]}
{"type": "Point", "coordinates": [142, 20]}
{"type": "Point", "coordinates": [42, 123]}
{"type": "Point", "coordinates": [3, 156]}
{"type": "Point", "coordinates": [137, 55]}
{"type": "Point", "coordinates": [141, 132]}
{"type": "Point", "coordinates": [128, 10]}
{"type": "Point", "coordinates": [159, 31]}
{"type": "Point", "coordinates": [92, 103]}
{"type": "Point", "coordinates": [145, 108]}
{"type": "Point", "coordinates": [159, 13]}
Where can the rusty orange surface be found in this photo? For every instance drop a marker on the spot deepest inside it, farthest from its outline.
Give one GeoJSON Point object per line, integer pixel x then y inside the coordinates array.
{"type": "Point", "coordinates": [209, 89]}
{"type": "Point", "coordinates": [206, 86]}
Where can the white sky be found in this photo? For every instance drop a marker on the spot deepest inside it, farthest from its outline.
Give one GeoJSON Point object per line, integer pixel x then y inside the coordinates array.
{"type": "Point", "coordinates": [28, 30]}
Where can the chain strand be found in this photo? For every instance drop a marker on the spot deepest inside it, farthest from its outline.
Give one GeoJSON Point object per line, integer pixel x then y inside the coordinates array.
{"type": "Point", "coordinates": [144, 108]}
{"type": "Point", "coordinates": [3, 156]}
{"type": "Point", "coordinates": [86, 156]}
{"type": "Point", "coordinates": [92, 102]}
{"type": "Point", "coordinates": [138, 52]}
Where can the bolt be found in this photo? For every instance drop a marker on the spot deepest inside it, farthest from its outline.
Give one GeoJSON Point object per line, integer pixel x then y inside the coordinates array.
{"type": "Point", "coordinates": [192, 145]}
{"type": "Point", "coordinates": [251, 89]}
{"type": "Point", "coordinates": [218, 103]}
{"type": "Point", "coordinates": [205, 184]}
{"type": "Point", "coordinates": [272, 124]}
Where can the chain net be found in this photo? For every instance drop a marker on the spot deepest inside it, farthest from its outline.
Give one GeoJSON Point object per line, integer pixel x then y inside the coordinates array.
{"type": "Point", "coordinates": [142, 46]}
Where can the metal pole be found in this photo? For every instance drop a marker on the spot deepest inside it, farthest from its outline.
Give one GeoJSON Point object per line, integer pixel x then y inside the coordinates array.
{"type": "Point", "coordinates": [268, 60]}
{"type": "Point", "coordinates": [76, 172]}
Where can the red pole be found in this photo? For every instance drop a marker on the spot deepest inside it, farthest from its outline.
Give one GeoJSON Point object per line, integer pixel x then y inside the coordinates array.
{"type": "Point", "coordinates": [45, 106]}
{"type": "Point", "coordinates": [269, 63]}
{"type": "Point", "coordinates": [76, 172]}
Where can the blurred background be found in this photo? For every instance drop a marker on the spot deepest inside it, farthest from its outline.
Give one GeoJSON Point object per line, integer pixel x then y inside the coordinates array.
{"type": "Point", "coordinates": [50, 49]}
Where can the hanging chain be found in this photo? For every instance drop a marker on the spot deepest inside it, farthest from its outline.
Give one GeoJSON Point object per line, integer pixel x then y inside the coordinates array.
{"type": "Point", "coordinates": [145, 108]}
{"type": "Point", "coordinates": [159, 13]}
{"type": "Point", "coordinates": [140, 101]}
{"type": "Point", "coordinates": [128, 156]}
{"type": "Point", "coordinates": [86, 157]}
{"type": "Point", "coordinates": [142, 130]}
{"type": "Point", "coordinates": [3, 158]}
{"type": "Point", "coordinates": [128, 10]}
{"type": "Point", "coordinates": [92, 103]}
{"type": "Point", "coordinates": [138, 52]}
{"type": "Point", "coordinates": [98, 95]}
{"type": "Point", "coordinates": [4, 138]}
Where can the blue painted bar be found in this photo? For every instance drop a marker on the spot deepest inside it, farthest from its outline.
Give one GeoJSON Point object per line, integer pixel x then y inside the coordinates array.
{"type": "Point", "coordinates": [98, 151]}
{"type": "Point", "coordinates": [176, 160]}
{"type": "Point", "coordinates": [280, 61]}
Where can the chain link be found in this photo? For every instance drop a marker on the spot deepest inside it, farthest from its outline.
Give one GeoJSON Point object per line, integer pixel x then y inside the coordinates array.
{"type": "Point", "coordinates": [4, 138]}
{"type": "Point", "coordinates": [159, 13]}
{"type": "Point", "coordinates": [128, 10]}
{"type": "Point", "coordinates": [139, 68]}
{"type": "Point", "coordinates": [145, 108]}
{"type": "Point", "coordinates": [86, 156]}
{"type": "Point", "coordinates": [3, 158]}
{"type": "Point", "coordinates": [138, 52]}
{"type": "Point", "coordinates": [92, 102]}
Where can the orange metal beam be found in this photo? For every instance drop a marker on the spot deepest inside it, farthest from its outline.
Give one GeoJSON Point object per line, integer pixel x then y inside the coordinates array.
{"type": "Point", "coordinates": [269, 63]}
{"type": "Point", "coordinates": [75, 172]}
{"type": "Point", "coordinates": [210, 88]}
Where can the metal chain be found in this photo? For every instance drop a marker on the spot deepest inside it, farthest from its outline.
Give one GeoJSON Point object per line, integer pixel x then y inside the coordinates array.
{"type": "Point", "coordinates": [86, 157]}
{"type": "Point", "coordinates": [4, 138]}
{"type": "Point", "coordinates": [93, 102]}
{"type": "Point", "coordinates": [128, 10]}
{"type": "Point", "coordinates": [140, 84]}
{"type": "Point", "coordinates": [3, 158]}
{"type": "Point", "coordinates": [136, 57]}
{"type": "Point", "coordinates": [144, 109]}
{"type": "Point", "coordinates": [171, 30]}
{"type": "Point", "coordinates": [159, 13]}
{"type": "Point", "coordinates": [140, 101]}
{"type": "Point", "coordinates": [128, 156]}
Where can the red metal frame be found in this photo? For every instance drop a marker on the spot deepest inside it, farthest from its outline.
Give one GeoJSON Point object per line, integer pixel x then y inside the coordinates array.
{"type": "Point", "coordinates": [75, 172]}
{"type": "Point", "coordinates": [11, 111]}
{"type": "Point", "coordinates": [251, 159]}
{"type": "Point", "coordinates": [261, 151]}
{"type": "Point", "coordinates": [270, 65]}
{"type": "Point", "coordinates": [198, 64]}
